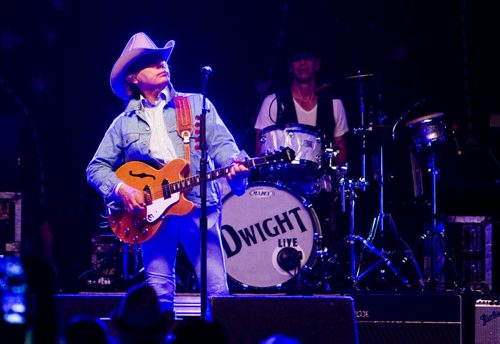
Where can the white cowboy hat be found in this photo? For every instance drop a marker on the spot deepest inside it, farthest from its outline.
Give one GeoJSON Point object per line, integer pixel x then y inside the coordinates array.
{"type": "Point", "coordinates": [138, 45]}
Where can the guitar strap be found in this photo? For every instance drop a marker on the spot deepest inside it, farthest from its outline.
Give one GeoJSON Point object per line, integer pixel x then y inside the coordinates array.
{"type": "Point", "coordinates": [184, 122]}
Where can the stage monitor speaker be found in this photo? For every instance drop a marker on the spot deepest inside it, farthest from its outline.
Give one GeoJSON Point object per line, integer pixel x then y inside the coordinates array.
{"type": "Point", "coordinates": [310, 319]}
{"type": "Point", "coordinates": [99, 305]}
{"type": "Point", "coordinates": [487, 321]}
{"type": "Point", "coordinates": [409, 318]}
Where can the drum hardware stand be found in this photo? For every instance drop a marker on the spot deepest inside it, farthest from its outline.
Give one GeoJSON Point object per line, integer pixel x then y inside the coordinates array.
{"type": "Point", "coordinates": [331, 168]}
{"type": "Point", "coordinates": [378, 225]}
{"type": "Point", "coordinates": [356, 275]}
{"type": "Point", "coordinates": [433, 263]}
{"type": "Point", "coordinates": [331, 153]}
{"type": "Point", "coordinates": [362, 130]}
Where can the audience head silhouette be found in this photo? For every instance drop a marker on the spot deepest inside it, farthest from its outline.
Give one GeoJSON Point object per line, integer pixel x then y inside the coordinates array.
{"type": "Point", "coordinates": [139, 318]}
{"type": "Point", "coordinates": [199, 331]}
{"type": "Point", "coordinates": [279, 338]}
{"type": "Point", "coordinates": [84, 329]}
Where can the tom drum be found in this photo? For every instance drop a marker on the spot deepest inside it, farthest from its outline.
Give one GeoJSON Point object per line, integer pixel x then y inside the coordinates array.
{"type": "Point", "coordinates": [307, 144]}
{"type": "Point", "coordinates": [427, 130]}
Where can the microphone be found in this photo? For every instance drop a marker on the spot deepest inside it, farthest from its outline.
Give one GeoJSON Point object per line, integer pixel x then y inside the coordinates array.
{"type": "Point", "coordinates": [289, 258]}
{"type": "Point", "coordinates": [206, 70]}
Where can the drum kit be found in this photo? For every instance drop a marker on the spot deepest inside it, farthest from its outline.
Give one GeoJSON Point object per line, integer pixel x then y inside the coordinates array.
{"type": "Point", "coordinates": [274, 235]}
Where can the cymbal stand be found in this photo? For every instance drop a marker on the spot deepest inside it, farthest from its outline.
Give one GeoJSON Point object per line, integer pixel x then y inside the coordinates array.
{"type": "Point", "coordinates": [362, 130]}
{"type": "Point", "coordinates": [378, 224]}
{"type": "Point", "coordinates": [347, 187]}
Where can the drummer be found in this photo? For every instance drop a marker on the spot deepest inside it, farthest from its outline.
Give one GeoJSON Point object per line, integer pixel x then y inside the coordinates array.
{"type": "Point", "coordinates": [303, 102]}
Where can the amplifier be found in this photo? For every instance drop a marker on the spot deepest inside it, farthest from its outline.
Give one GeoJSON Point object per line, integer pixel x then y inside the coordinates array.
{"type": "Point", "coordinates": [487, 321]}
{"type": "Point", "coordinates": [114, 264]}
{"type": "Point", "coordinates": [471, 240]}
{"type": "Point", "coordinates": [409, 318]}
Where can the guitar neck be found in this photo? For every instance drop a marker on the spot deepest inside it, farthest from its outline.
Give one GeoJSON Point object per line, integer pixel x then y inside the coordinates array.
{"type": "Point", "coordinates": [190, 182]}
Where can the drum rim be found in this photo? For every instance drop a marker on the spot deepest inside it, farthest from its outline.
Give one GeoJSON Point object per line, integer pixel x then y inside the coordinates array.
{"type": "Point", "coordinates": [304, 127]}
{"type": "Point", "coordinates": [278, 185]}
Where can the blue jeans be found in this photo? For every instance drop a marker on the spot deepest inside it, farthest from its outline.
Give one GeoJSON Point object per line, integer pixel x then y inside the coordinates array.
{"type": "Point", "coordinates": [160, 252]}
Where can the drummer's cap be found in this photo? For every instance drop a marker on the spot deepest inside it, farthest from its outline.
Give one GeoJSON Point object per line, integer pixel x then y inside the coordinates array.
{"type": "Point", "coordinates": [302, 52]}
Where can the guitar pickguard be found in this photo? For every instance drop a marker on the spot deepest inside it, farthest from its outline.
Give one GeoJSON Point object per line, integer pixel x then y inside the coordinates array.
{"type": "Point", "coordinates": [159, 206]}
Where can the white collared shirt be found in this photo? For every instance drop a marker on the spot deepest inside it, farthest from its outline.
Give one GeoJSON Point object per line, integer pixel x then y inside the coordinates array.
{"type": "Point", "coordinates": [161, 146]}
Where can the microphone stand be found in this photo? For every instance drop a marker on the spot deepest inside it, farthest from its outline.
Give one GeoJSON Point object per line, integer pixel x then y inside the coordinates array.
{"type": "Point", "coordinates": [205, 71]}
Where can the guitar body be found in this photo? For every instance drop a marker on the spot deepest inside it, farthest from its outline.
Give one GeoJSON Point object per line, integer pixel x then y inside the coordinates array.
{"type": "Point", "coordinates": [164, 193]}
{"type": "Point", "coordinates": [135, 228]}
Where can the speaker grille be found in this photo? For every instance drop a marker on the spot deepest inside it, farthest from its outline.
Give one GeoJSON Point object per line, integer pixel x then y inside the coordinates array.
{"type": "Point", "coordinates": [409, 333]}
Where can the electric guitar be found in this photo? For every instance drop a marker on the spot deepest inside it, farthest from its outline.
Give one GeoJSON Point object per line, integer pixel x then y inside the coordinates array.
{"type": "Point", "coordinates": [164, 193]}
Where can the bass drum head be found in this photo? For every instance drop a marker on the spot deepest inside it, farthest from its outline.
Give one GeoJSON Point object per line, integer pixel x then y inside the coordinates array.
{"type": "Point", "coordinates": [268, 234]}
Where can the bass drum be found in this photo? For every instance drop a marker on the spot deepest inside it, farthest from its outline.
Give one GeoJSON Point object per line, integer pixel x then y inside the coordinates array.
{"type": "Point", "coordinates": [269, 234]}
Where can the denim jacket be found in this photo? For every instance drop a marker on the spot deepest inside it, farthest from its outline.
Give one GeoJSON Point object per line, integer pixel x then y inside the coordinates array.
{"type": "Point", "coordinates": [128, 138]}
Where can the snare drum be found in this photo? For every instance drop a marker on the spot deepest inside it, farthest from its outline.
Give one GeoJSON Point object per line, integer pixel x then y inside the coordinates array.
{"type": "Point", "coordinates": [268, 234]}
{"type": "Point", "coordinates": [307, 144]}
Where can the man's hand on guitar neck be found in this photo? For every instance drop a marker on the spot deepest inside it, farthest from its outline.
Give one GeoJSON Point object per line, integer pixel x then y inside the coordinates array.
{"type": "Point", "coordinates": [133, 199]}
{"type": "Point", "coordinates": [237, 177]}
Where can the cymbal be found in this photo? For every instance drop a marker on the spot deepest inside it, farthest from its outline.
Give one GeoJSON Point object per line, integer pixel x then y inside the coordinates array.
{"type": "Point", "coordinates": [359, 76]}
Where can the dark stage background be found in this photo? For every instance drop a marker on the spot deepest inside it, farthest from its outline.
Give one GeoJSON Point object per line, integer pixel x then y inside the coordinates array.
{"type": "Point", "coordinates": [425, 56]}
